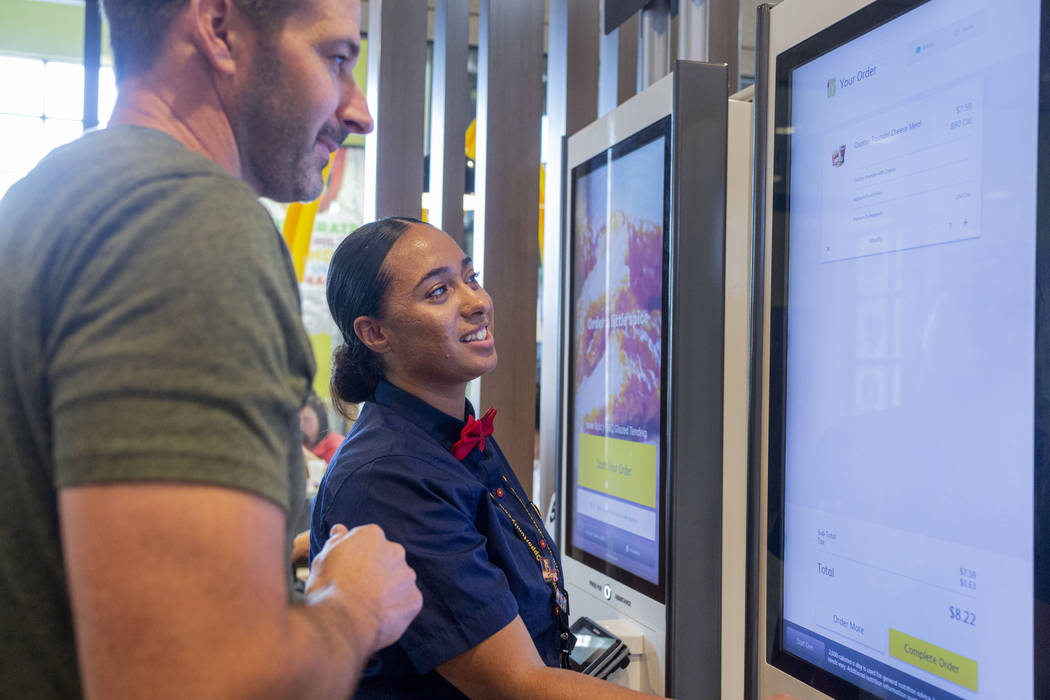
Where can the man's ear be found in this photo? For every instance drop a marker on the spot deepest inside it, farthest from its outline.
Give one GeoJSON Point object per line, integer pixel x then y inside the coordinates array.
{"type": "Point", "coordinates": [370, 331]}
{"type": "Point", "coordinates": [215, 33]}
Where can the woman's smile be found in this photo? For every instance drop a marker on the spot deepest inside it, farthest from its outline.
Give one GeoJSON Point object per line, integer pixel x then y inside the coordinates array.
{"type": "Point", "coordinates": [480, 335]}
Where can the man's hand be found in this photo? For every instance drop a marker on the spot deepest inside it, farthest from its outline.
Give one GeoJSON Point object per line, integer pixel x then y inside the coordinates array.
{"type": "Point", "coordinates": [365, 575]}
{"type": "Point", "coordinates": [196, 605]}
{"type": "Point", "coordinates": [301, 549]}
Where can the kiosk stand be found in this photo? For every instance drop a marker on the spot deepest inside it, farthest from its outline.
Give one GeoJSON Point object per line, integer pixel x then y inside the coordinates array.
{"type": "Point", "coordinates": [899, 438]}
{"type": "Point", "coordinates": [641, 411]}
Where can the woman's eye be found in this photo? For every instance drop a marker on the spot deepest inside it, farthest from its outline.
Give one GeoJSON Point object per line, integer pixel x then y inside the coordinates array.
{"type": "Point", "coordinates": [437, 292]}
{"type": "Point", "coordinates": [472, 278]}
{"type": "Point", "coordinates": [340, 60]}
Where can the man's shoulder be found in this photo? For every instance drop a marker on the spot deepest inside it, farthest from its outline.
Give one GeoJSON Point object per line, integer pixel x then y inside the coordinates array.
{"type": "Point", "coordinates": [127, 188]}
{"type": "Point", "coordinates": [137, 150]}
{"type": "Point", "coordinates": [109, 167]}
{"type": "Point", "coordinates": [119, 177]}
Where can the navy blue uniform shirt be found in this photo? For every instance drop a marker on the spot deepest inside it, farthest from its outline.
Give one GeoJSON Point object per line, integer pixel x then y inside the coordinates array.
{"type": "Point", "coordinates": [475, 571]}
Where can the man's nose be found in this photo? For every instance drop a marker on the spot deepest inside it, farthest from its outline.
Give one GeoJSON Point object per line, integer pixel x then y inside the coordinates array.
{"type": "Point", "coordinates": [353, 111]}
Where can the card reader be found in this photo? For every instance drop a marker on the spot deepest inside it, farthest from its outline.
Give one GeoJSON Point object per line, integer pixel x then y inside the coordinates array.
{"type": "Point", "coordinates": [598, 652]}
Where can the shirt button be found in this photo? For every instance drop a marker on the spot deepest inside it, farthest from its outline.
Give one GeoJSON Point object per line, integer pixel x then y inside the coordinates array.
{"type": "Point", "coordinates": [499, 493]}
{"type": "Point", "coordinates": [543, 544]}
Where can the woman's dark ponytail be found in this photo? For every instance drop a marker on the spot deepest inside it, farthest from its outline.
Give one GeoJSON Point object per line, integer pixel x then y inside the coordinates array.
{"type": "Point", "coordinates": [357, 284]}
{"type": "Point", "coordinates": [355, 373]}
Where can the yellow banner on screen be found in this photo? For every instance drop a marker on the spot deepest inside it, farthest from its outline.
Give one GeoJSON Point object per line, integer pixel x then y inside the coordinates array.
{"type": "Point", "coordinates": [619, 468]}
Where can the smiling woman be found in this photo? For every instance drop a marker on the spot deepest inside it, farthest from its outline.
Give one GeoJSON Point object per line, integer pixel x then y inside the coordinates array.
{"type": "Point", "coordinates": [417, 327]}
{"type": "Point", "coordinates": [412, 311]}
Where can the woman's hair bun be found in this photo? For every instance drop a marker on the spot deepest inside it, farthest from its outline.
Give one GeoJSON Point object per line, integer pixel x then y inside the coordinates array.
{"type": "Point", "coordinates": [355, 374]}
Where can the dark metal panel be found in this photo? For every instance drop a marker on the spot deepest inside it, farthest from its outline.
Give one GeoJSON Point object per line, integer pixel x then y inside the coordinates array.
{"type": "Point", "coordinates": [695, 380]}
{"type": "Point", "coordinates": [510, 106]}
{"type": "Point", "coordinates": [627, 70]}
{"type": "Point", "coordinates": [396, 93]}
{"type": "Point", "coordinates": [617, 65]}
{"type": "Point", "coordinates": [449, 115]}
{"type": "Point", "coordinates": [754, 638]}
{"type": "Point", "coordinates": [723, 34]}
{"type": "Point", "coordinates": [619, 11]}
{"type": "Point", "coordinates": [608, 69]}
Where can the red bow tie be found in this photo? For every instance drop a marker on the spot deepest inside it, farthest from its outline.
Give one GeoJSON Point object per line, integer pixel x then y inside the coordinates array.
{"type": "Point", "coordinates": [474, 434]}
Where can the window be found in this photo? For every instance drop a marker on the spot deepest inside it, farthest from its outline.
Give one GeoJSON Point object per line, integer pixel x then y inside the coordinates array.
{"type": "Point", "coordinates": [41, 108]}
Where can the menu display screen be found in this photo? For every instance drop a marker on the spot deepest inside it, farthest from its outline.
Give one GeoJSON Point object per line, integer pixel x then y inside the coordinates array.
{"type": "Point", "coordinates": [904, 351]}
{"type": "Point", "coordinates": [619, 221]}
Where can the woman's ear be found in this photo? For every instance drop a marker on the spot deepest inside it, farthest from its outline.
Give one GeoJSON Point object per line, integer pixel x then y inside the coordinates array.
{"type": "Point", "coordinates": [370, 331]}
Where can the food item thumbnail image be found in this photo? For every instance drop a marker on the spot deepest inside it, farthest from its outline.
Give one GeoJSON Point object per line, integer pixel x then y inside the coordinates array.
{"type": "Point", "coordinates": [619, 297]}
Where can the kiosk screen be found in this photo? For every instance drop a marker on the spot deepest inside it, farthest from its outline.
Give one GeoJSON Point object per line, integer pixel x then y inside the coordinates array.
{"type": "Point", "coordinates": [619, 220]}
{"type": "Point", "coordinates": [904, 347]}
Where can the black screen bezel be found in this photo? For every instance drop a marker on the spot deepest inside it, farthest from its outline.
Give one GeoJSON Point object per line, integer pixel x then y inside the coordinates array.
{"type": "Point", "coordinates": [661, 128]}
{"type": "Point", "coordinates": [859, 23]}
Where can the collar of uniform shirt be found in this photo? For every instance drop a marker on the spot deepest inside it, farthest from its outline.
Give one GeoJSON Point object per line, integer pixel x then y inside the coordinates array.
{"type": "Point", "coordinates": [442, 426]}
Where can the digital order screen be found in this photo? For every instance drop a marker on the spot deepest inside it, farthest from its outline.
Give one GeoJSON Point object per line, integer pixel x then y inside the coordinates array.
{"type": "Point", "coordinates": [907, 355]}
{"type": "Point", "coordinates": [618, 231]}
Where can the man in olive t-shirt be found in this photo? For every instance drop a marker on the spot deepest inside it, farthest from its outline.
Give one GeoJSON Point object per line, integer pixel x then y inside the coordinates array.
{"type": "Point", "coordinates": [152, 364]}
{"type": "Point", "coordinates": [146, 341]}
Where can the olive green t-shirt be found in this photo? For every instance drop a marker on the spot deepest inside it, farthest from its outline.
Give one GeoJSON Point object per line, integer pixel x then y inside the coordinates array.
{"type": "Point", "coordinates": [149, 332]}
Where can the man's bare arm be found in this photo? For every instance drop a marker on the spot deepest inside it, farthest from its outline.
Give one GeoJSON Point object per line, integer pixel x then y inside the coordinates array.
{"type": "Point", "coordinates": [180, 591]}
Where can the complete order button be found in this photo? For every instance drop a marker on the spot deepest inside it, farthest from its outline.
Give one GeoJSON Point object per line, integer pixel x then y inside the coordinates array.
{"type": "Point", "coordinates": [930, 657]}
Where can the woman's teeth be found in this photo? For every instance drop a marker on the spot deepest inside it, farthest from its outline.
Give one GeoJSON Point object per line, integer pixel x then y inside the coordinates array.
{"type": "Point", "coordinates": [476, 335]}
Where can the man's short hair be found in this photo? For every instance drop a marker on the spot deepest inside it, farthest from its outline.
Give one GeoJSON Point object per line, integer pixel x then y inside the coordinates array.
{"type": "Point", "coordinates": [138, 28]}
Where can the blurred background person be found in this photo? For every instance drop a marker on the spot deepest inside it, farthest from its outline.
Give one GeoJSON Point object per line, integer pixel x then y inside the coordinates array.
{"type": "Point", "coordinates": [319, 444]}
{"type": "Point", "coordinates": [318, 438]}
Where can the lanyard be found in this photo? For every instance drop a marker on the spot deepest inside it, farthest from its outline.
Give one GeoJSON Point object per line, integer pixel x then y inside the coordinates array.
{"type": "Point", "coordinates": [548, 566]}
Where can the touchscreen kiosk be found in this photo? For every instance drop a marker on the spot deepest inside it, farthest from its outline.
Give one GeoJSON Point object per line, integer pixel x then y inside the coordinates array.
{"type": "Point", "coordinates": [905, 357]}
{"type": "Point", "coordinates": [620, 207]}
{"type": "Point", "coordinates": [641, 412]}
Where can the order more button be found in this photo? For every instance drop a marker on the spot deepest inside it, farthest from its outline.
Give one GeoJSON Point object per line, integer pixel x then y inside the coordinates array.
{"type": "Point", "coordinates": [852, 624]}
{"type": "Point", "coordinates": [930, 657]}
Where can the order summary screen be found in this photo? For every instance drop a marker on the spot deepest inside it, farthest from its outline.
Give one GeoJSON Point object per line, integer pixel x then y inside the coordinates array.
{"type": "Point", "coordinates": [909, 407]}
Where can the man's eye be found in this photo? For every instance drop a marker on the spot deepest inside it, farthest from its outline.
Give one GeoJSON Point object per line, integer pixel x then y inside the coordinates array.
{"type": "Point", "coordinates": [473, 277]}
{"type": "Point", "coordinates": [437, 292]}
{"type": "Point", "coordinates": [340, 60]}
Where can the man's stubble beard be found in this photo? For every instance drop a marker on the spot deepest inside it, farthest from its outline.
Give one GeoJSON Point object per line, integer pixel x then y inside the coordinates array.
{"type": "Point", "coordinates": [269, 136]}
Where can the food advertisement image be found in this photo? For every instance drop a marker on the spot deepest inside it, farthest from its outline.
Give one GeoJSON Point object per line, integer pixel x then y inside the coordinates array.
{"type": "Point", "coordinates": [619, 212]}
